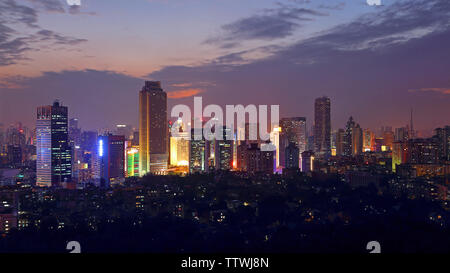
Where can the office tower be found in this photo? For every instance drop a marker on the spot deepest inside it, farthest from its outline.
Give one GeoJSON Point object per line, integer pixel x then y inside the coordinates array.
{"type": "Point", "coordinates": [54, 163]}
{"type": "Point", "coordinates": [179, 146]}
{"type": "Point", "coordinates": [357, 140]}
{"type": "Point", "coordinates": [322, 127]}
{"type": "Point", "coordinates": [241, 150]}
{"type": "Point", "coordinates": [412, 133]}
{"type": "Point", "coordinates": [401, 134]}
{"type": "Point", "coordinates": [442, 136]}
{"type": "Point", "coordinates": [252, 158]}
{"type": "Point", "coordinates": [132, 160]}
{"type": "Point", "coordinates": [74, 131]}
{"type": "Point", "coordinates": [291, 156]}
{"type": "Point", "coordinates": [197, 153]}
{"type": "Point", "coordinates": [307, 161]}
{"type": "Point", "coordinates": [368, 140]}
{"type": "Point", "coordinates": [153, 129]}
{"type": "Point", "coordinates": [223, 150]}
{"type": "Point", "coordinates": [340, 142]}
{"type": "Point", "coordinates": [124, 130]}
{"type": "Point", "coordinates": [14, 154]}
{"type": "Point", "coordinates": [267, 162]}
{"type": "Point", "coordinates": [292, 130]}
{"type": "Point", "coordinates": [75, 142]}
{"type": "Point", "coordinates": [111, 153]}
{"type": "Point", "coordinates": [348, 138]}
{"type": "Point", "coordinates": [135, 140]}
{"type": "Point", "coordinates": [423, 151]}
{"type": "Point", "coordinates": [388, 137]}
{"type": "Point", "coordinates": [399, 154]}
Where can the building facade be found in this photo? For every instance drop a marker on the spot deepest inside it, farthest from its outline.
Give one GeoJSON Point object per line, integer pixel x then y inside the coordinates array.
{"type": "Point", "coordinates": [153, 129]}
{"type": "Point", "coordinates": [54, 161]}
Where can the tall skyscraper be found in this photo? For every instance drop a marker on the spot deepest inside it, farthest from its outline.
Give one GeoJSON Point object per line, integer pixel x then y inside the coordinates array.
{"type": "Point", "coordinates": [179, 146]}
{"type": "Point", "coordinates": [153, 129]}
{"type": "Point", "coordinates": [368, 140]}
{"type": "Point", "coordinates": [53, 163]}
{"type": "Point", "coordinates": [357, 140]}
{"type": "Point", "coordinates": [348, 138]}
{"type": "Point", "coordinates": [198, 161]}
{"type": "Point", "coordinates": [340, 142]}
{"type": "Point", "coordinates": [293, 130]}
{"type": "Point", "coordinates": [223, 150]}
{"type": "Point", "coordinates": [322, 127]}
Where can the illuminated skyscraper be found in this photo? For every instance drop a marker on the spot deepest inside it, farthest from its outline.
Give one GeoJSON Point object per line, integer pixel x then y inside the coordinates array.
{"type": "Point", "coordinates": [179, 146]}
{"type": "Point", "coordinates": [357, 140]}
{"type": "Point", "coordinates": [322, 127]}
{"type": "Point", "coordinates": [368, 140]}
{"type": "Point", "coordinates": [53, 163]}
{"type": "Point", "coordinates": [197, 154]}
{"type": "Point", "coordinates": [132, 160]}
{"type": "Point", "coordinates": [153, 130]}
{"type": "Point", "coordinates": [223, 150]}
{"type": "Point", "coordinates": [348, 138]}
{"type": "Point", "coordinates": [111, 152]}
{"type": "Point", "coordinates": [293, 130]}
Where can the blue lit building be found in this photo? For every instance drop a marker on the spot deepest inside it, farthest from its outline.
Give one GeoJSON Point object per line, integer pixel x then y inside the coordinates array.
{"type": "Point", "coordinates": [54, 160]}
{"type": "Point", "coordinates": [111, 154]}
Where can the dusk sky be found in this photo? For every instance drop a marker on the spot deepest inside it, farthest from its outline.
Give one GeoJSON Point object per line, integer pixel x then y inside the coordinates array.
{"type": "Point", "coordinates": [374, 62]}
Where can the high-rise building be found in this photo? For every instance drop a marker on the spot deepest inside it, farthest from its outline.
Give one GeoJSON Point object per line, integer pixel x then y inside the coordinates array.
{"type": "Point", "coordinates": [54, 163]}
{"type": "Point", "coordinates": [357, 140]}
{"type": "Point", "coordinates": [124, 130]}
{"type": "Point", "coordinates": [223, 150]}
{"type": "Point", "coordinates": [132, 160]}
{"type": "Point", "coordinates": [322, 127]}
{"type": "Point", "coordinates": [153, 129]}
{"type": "Point", "coordinates": [340, 142]}
{"type": "Point", "coordinates": [442, 136]}
{"type": "Point", "coordinates": [75, 142]}
{"type": "Point", "coordinates": [291, 156]}
{"type": "Point", "coordinates": [179, 146]}
{"type": "Point", "coordinates": [293, 130]}
{"type": "Point", "coordinates": [401, 134]}
{"type": "Point", "coordinates": [111, 153]}
{"type": "Point", "coordinates": [307, 161]}
{"type": "Point", "coordinates": [198, 161]}
{"type": "Point", "coordinates": [368, 140]}
{"type": "Point", "coordinates": [348, 138]}
{"type": "Point", "coordinates": [388, 137]}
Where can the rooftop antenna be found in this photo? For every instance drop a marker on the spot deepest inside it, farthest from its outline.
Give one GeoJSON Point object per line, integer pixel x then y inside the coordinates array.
{"type": "Point", "coordinates": [411, 128]}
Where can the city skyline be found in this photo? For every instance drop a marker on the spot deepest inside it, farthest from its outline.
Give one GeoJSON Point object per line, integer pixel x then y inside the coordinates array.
{"type": "Point", "coordinates": [224, 135]}
{"type": "Point", "coordinates": [377, 77]}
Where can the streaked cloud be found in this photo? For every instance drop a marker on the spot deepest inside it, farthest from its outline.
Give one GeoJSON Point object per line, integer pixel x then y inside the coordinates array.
{"type": "Point", "coordinates": [14, 45]}
{"type": "Point", "coordinates": [445, 91]}
{"type": "Point", "coordinates": [184, 93]}
{"type": "Point", "coordinates": [270, 24]}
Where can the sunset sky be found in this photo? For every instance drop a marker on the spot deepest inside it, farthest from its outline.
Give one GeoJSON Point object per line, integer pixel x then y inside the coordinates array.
{"type": "Point", "coordinates": [374, 62]}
